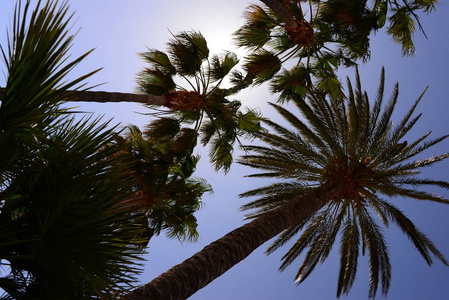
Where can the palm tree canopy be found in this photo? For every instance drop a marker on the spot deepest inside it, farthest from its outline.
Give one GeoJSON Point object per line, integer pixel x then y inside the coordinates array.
{"type": "Point", "coordinates": [64, 233]}
{"type": "Point", "coordinates": [354, 145]}
{"type": "Point", "coordinates": [318, 37]}
{"type": "Point", "coordinates": [79, 201]}
{"type": "Point", "coordinates": [203, 103]}
{"type": "Point", "coordinates": [163, 190]}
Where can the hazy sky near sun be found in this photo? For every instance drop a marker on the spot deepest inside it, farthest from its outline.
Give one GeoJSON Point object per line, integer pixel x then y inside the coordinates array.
{"type": "Point", "coordinates": [120, 31]}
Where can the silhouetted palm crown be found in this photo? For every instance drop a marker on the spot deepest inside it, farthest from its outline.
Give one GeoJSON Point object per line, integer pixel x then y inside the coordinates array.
{"type": "Point", "coordinates": [353, 146]}
{"type": "Point", "coordinates": [217, 120]}
{"type": "Point", "coordinates": [63, 233]}
{"type": "Point", "coordinates": [163, 187]}
{"type": "Point", "coordinates": [320, 36]}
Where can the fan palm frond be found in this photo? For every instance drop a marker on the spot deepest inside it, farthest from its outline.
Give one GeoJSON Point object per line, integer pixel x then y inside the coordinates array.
{"type": "Point", "coordinates": [163, 189]}
{"type": "Point", "coordinates": [203, 104]}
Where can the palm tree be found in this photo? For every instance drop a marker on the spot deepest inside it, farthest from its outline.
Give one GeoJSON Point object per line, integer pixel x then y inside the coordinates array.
{"type": "Point", "coordinates": [204, 104]}
{"type": "Point", "coordinates": [163, 189]}
{"type": "Point", "coordinates": [79, 201]}
{"type": "Point", "coordinates": [359, 18]}
{"type": "Point", "coordinates": [218, 121]}
{"type": "Point", "coordinates": [338, 166]}
{"type": "Point", "coordinates": [64, 232]}
{"type": "Point", "coordinates": [321, 38]}
{"type": "Point", "coordinates": [345, 23]}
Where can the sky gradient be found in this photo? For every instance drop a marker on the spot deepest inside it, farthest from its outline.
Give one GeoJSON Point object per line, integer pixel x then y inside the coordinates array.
{"type": "Point", "coordinates": [120, 31]}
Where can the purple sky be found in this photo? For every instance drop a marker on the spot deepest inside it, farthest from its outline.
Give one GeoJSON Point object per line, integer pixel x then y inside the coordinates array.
{"type": "Point", "coordinates": [119, 31]}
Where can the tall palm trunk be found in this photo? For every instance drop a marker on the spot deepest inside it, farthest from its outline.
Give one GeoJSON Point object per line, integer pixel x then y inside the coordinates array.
{"type": "Point", "coordinates": [104, 97]}
{"type": "Point", "coordinates": [183, 280]}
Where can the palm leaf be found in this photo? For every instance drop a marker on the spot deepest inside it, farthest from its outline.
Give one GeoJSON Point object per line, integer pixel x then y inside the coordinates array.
{"type": "Point", "coordinates": [188, 50]}
{"type": "Point", "coordinates": [349, 253]}
{"type": "Point", "coordinates": [402, 26]}
{"type": "Point", "coordinates": [159, 60]}
{"type": "Point", "coordinates": [420, 240]}
{"type": "Point", "coordinates": [263, 64]}
{"type": "Point", "coordinates": [221, 66]}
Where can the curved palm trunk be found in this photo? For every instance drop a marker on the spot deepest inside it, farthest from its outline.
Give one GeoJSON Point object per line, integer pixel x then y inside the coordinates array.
{"type": "Point", "coordinates": [104, 97]}
{"type": "Point", "coordinates": [183, 280]}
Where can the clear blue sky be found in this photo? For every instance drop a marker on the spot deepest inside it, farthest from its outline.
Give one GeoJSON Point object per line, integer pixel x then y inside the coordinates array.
{"type": "Point", "coordinates": [119, 31]}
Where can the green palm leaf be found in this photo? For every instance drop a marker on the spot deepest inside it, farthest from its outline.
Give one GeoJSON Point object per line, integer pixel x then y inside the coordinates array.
{"type": "Point", "coordinates": [402, 26]}
{"type": "Point", "coordinates": [188, 50]}
{"type": "Point", "coordinates": [221, 66]}
{"type": "Point", "coordinates": [159, 60]}
{"type": "Point", "coordinates": [349, 253]}
{"type": "Point", "coordinates": [263, 64]}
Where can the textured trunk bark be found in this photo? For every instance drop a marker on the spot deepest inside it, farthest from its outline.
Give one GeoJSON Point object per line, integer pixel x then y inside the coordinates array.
{"type": "Point", "coordinates": [183, 280]}
{"type": "Point", "coordinates": [281, 11]}
{"type": "Point", "coordinates": [104, 97]}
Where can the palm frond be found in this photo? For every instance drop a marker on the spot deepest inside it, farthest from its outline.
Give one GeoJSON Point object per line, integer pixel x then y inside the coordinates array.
{"type": "Point", "coordinates": [415, 148]}
{"type": "Point", "coordinates": [159, 60]}
{"type": "Point", "coordinates": [321, 244]}
{"type": "Point", "coordinates": [308, 134]}
{"type": "Point", "coordinates": [402, 26]}
{"type": "Point", "coordinates": [272, 194]}
{"type": "Point", "coordinates": [379, 262]}
{"type": "Point", "coordinates": [263, 65]}
{"type": "Point", "coordinates": [411, 193]}
{"type": "Point", "coordinates": [414, 165]}
{"type": "Point", "coordinates": [221, 153]}
{"type": "Point", "coordinates": [188, 50]}
{"type": "Point", "coordinates": [221, 66]}
{"type": "Point", "coordinates": [349, 253]}
{"type": "Point", "coordinates": [307, 238]}
{"type": "Point", "coordinates": [36, 61]}
{"type": "Point", "coordinates": [290, 83]}
{"type": "Point", "coordinates": [285, 236]}
{"type": "Point", "coordinates": [420, 240]}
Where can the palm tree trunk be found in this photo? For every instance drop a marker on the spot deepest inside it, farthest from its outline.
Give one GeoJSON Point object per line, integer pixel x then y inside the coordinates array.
{"type": "Point", "coordinates": [281, 11]}
{"type": "Point", "coordinates": [183, 280]}
{"type": "Point", "coordinates": [104, 97]}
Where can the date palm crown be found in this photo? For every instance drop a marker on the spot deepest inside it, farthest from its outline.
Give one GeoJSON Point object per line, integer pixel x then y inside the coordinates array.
{"type": "Point", "coordinates": [353, 146]}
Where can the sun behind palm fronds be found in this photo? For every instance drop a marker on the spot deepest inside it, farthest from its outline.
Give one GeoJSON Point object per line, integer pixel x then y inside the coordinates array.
{"type": "Point", "coordinates": [353, 146]}
{"type": "Point", "coordinates": [202, 103]}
